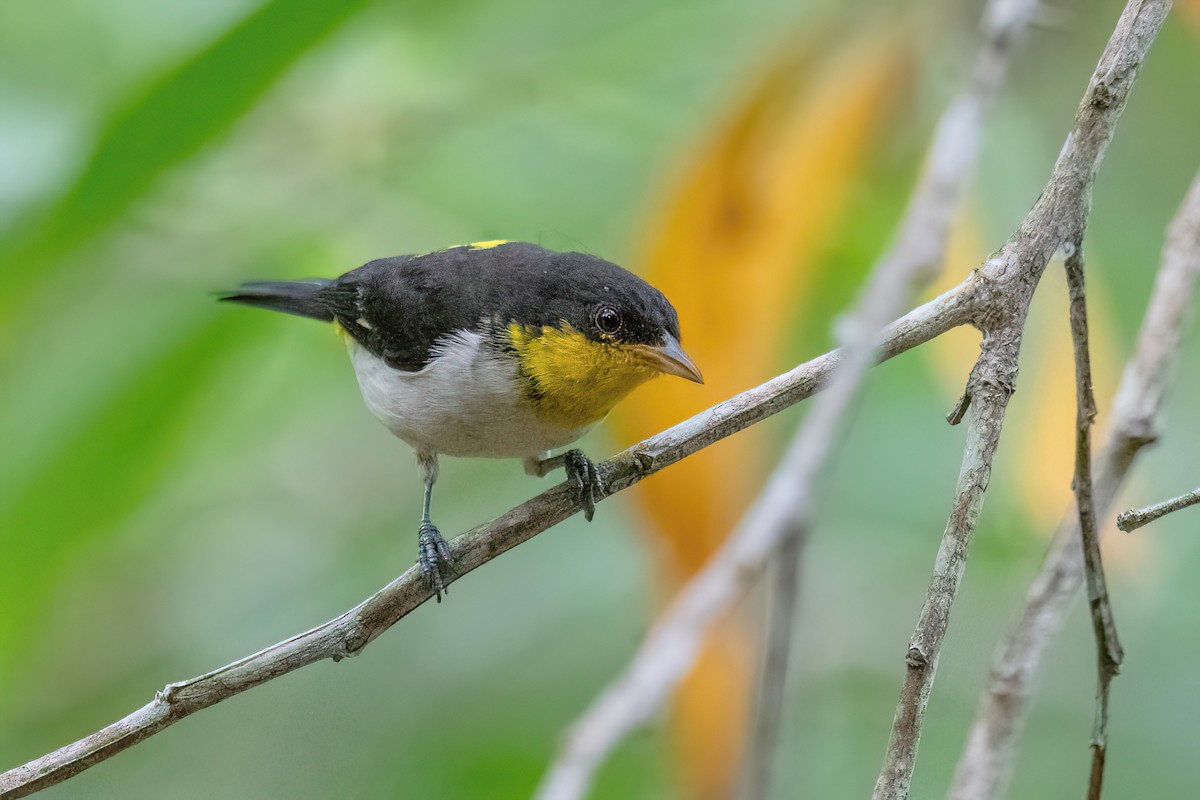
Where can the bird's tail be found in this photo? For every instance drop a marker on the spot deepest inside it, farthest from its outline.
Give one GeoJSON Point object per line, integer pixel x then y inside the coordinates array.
{"type": "Point", "coordinates": [303, 298]}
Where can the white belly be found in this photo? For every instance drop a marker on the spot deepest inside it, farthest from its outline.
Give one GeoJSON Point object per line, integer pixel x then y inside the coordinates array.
{"type": "Point", "coordinates": [467, 401]}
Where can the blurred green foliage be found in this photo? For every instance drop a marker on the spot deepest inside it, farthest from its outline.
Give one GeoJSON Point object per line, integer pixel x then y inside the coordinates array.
{"type": "Point", "coordinates": [182, 483]}
{"type": "Point", "coordinates": [181, 111]}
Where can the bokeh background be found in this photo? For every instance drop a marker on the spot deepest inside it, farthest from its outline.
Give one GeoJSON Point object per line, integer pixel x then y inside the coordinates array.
{"type": "Point", "coordinates": [183, 483]}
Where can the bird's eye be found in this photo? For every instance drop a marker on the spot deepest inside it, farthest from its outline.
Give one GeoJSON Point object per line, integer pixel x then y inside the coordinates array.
{"type": "Point", "coordinates": [608, 320]}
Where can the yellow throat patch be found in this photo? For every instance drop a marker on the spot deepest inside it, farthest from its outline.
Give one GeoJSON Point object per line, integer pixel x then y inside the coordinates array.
{"type": "Point", "coordinates": [574, 381]}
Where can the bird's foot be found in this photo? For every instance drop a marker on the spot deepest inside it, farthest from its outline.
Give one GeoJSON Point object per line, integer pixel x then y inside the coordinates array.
{"type": "Point", "coordinates": [585, 481]}
{"type": "Point", "coordinates": [434, 558]}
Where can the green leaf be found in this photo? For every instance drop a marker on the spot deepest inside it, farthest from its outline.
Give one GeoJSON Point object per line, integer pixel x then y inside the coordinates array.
{"type": "Point", "coordinates": [97, 477]}
{"type": "Point", "coordinates": [175, 116]}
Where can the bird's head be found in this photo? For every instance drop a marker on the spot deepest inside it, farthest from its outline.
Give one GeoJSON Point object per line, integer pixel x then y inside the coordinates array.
{"type": "Point", "coordinates": [594, 332]}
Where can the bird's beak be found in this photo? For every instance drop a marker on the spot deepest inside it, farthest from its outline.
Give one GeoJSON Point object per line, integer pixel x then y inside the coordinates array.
{"type": "Point", "coordinates": [670, 359]}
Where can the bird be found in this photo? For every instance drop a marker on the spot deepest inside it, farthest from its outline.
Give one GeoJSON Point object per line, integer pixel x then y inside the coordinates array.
{"type": "Point", "coordinates": [492, 349]}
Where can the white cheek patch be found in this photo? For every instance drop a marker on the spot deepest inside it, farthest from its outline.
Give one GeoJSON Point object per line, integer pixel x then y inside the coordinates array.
{"type": "Point", "coordinates": [467, 401]}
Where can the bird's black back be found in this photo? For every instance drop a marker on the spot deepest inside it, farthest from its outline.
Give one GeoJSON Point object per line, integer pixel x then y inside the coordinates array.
{"type": "Point", "coordinates": [399, 307]}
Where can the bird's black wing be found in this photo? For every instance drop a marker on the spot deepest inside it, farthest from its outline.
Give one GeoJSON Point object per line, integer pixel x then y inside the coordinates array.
{"type": "Point", "coordinates": [398, 308]}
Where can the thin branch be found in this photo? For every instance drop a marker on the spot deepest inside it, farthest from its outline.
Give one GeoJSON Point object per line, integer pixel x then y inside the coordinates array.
{"type": "Point", "coordinates": [987, 760]}
{"type": "Point", "coordinates": [919, 250]}
{"type": "Point", "coordinates": [1108, 648]}
{"type": "Point", "coordinates": [347, 634]}
{"type": "Point", "coordinates": [1131, 520]}
{"type": "Point", "coordinates": [991, 386]}
{"type": "Point", "coordinates": [777, 651]}
{"type": "Point", "coordinates": [1058, 217]}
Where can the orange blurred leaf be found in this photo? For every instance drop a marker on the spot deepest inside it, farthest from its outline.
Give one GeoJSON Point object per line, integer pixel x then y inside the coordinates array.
{"type": "Point", "coordinates": [1191, 14]}
{"type": "Point", "coordinates": [735, 247]}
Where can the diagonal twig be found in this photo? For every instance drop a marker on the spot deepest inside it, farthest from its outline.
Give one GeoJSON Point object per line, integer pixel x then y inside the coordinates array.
{"type": "Point", "coordinates": [987, 760]}
{"type": "Point", "coordinates": [1131, 520]}
{"type": "Point", "coordinates": [1108, 648]}
{"type": "Point", "coordinates": [1058, 217]}
{"type": "Point", "coordinates": [988, 392]}
{"type": "Point", "coordinates": [347, 634]}
{"type": "Point", "coordinates": [918, 250]}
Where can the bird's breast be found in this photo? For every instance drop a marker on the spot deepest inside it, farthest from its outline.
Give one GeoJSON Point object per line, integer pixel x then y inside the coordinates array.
{"type": "Point", "coordinates": [570, 380]}
{"type": "Point", "coordinates": [469, 400]}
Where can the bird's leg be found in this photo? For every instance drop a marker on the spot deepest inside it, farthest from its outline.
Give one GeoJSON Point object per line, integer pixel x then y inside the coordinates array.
{"type": "Point", "coordinates": [541, 467]}
{"type": "Point", "coordinates": [581, 474]}
{"type": "Point", "coordinates": [433, 553]}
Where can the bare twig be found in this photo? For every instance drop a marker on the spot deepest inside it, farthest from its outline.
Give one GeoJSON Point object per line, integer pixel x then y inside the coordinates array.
{"type": "Point", "coordinates": [918, 251]}
{"type": "Point", "coordinates": [991, 385]}
{"type": "Point", "coordinates": [349, 633]}
{"type": "Point", "coordinates": [987, 759]}
{"type": "Point", "coordinates": [1108, 648]}
{"type": "Point", "coordinates": [1131, 520]}
{"type": "Point", "coordinates": [1058, 217]}
{"type": "Point", "coordinates": [777, 650]}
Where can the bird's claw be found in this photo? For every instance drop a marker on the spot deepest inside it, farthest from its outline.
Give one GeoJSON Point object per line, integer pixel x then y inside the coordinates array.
{"type": "Point", "coordinates": [434, 558]}
{"type": "Point", "coordinates": [585, 481]}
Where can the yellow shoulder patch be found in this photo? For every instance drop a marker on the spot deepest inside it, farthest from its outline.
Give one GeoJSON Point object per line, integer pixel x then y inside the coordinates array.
{"type": "Point", "coordinates": [574, 381]}
{"type": "Point", "coordinates": [488, 245]}
{"type": "Point", "coordinates": [344, 335]}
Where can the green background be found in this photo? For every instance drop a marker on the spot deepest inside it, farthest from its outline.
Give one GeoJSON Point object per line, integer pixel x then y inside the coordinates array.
{"type": "Point", "coordinates": [183, 483]}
